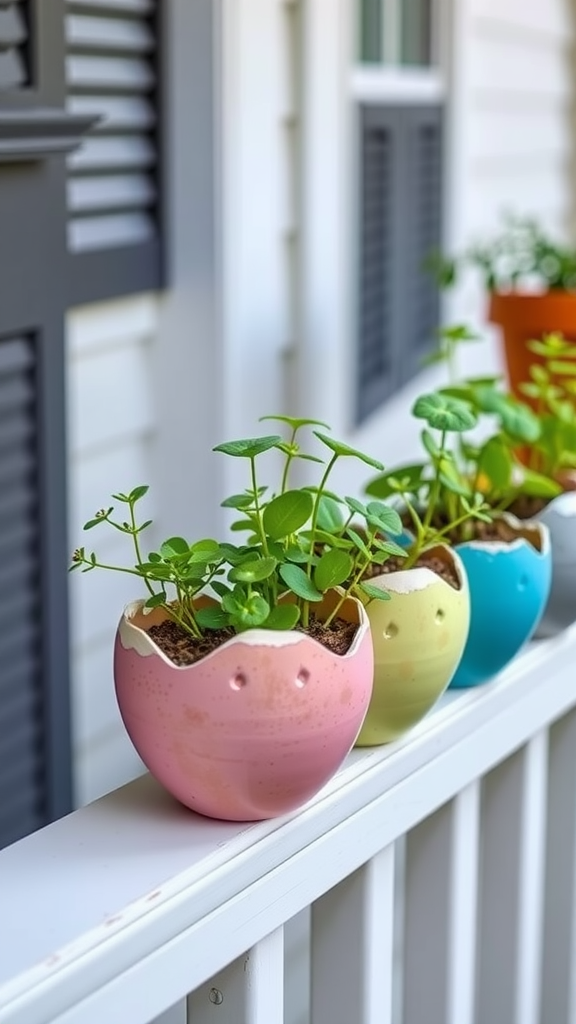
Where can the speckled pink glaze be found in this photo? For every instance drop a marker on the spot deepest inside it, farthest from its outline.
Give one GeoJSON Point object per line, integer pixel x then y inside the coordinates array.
{"type": "Point", "coordinates": [254, 729]}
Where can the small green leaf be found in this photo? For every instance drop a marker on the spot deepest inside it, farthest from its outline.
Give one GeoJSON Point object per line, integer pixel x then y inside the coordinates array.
{"type": "Point", "coordinates": [174, 546]}
{"type": "Point", "coordinates": [253, 613]}
{"type": "Point", "coordinates": [358, 541]}
{"type": "Point", "coordinates": [344, 450]}
{"type": "Point", "coordinates": [252, 572]}
{"type": "Point", "coordinates": [206, 550]}
{"type": "Point", "coordinates": [248, 448]}
{"type": "Point", "coordinates": [496, 462]}
{"type": "Point", "coordinates": [385, 517]}
{"type": "Point", "coordinates": [220, 588]}
{"type": "Point", "coordinates": [156, 601]}
{"type": "Point", "coordinates": [356, 506]}
{"type": "Point", "coordinates": [212, 618]}
{"type": "Point", "coordinates": [287, 513]}
{"type": "Point", "coordinates": [283, 616]}
{"type": "Point", "coordinates": [296, 554]}
{"type": "Point", "coordinates": [238, 501]}
{"type": "Point", "coordinates": [299, 583]}
{"type": "Point", "coordinates": [442, 412]}
{"type": "Point", "coordinates": [373, 592]}
{"type": "Point", "coordinates": [139, 492]}
{"type": "Point", "coordinates": [329, 514]}
{"type": "Point", "coordinates": [295, 422]}
{"type": "Point", "coordinates": [334, 568]}
{"type": "Point", "coordinates": [429, 443]}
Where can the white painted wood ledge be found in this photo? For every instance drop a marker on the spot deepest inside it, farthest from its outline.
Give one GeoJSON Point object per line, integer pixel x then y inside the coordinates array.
{"type": "Point", "coordinates": [134, 902]}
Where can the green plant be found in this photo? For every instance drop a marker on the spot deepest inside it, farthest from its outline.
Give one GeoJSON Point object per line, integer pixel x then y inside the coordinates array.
{"type": "Point", "coordinates": [439, 499]}
{"type": "Point", "coordinates": [552, 388]}
{"type": "Point", "coordinates": [297, 548]}
{"type": "Point", "coordinates": [523, 253]}
{"type": "Point", "coordinates": [492, 463]}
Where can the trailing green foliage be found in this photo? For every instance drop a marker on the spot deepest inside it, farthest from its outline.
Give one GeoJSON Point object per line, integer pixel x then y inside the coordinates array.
{"type": "Point", "coordinates": [301, 543]}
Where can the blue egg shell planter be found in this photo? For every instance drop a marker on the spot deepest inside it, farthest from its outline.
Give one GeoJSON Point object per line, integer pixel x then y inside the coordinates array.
{"type": "Point", "coordinates": [509, 589]}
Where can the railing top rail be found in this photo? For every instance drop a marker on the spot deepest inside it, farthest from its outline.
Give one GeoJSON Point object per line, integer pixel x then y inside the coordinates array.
{"type": "Point", "coordinates": [89, 896]}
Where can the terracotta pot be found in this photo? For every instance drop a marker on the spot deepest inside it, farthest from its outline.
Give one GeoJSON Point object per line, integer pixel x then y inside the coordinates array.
{"type": "Point", "coordinates": [560, 518]}
{"type": "Point", "coordinates": [418, 637]}
{"type": "Point", "coordinates": [525, 317]}
{"type": "Point", "coordinates": [252, 730]}
{"type": "Point", "coordinates": [509, 588]}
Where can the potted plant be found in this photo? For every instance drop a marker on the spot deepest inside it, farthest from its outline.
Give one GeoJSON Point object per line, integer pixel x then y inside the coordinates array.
{"type": "Point", "coordinates": [420, 634]}
{"type": "Point", "coordinates": [531, 283]}
{"type": "Point", "coordinates": [552, 456]}
{"type": "Point", "coordinates": [529, 466]}
{"type": "Point", "coordinates": [244, 673]}
{"type": "Point", "coordinates": [501, 556]}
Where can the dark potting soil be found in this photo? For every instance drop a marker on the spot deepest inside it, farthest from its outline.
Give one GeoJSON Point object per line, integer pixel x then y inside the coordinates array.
{"type": "Point", "coordinates": [428, 560]}
{"type": "Point", "coordinates": [184, 649]}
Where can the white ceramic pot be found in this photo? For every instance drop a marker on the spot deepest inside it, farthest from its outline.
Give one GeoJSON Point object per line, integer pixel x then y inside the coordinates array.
{"type": "Point", "coordinates": [560, 518]}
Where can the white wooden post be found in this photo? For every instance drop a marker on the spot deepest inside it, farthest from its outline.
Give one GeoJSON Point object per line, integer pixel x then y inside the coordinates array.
{"type": "Point", "coordinates": [352, 932]}
{"type": "Point", "coordinates": [249, 991]}
{"type": "Point", "coordinates": [440, 914]}
{"type": "Point", "coordinates": [511, 887]}
{"type": "Point", "coordinates": [559, 964]}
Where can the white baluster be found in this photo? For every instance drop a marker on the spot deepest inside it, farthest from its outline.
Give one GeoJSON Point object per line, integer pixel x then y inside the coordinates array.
{"type": "Point", "coordinates": [440, 914]}
{"type": "Point", "coordinates": [352, 934]}
{"type": "Point", "coordinates": [249, 991]}
{"type": "Point", "coordinates": [175, 1015]}
{"type": "Point", "coordinates": [559, 967]}
{"type": "Point", "coordinates": [511, 887]}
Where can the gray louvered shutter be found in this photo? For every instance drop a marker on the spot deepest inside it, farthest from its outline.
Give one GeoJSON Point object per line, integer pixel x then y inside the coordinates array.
{"type": "Point", "coordinates": [400, 185]}
{"type": "Point", "coordinates": [14, 68]}
{"type": "Point", "coordinates": [379, 142]}
{"type": "Point", "coordinates": [112, 70]}
{"type": "Point", "coordinates": [23, 798]}
{"type": "Point", "coordinates": [422, 130]}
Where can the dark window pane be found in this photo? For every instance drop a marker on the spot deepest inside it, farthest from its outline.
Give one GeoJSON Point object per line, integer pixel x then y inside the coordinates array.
{"type": "Point", "coordinates": [416, 31]}
{"type": "Point", "coordinates": [371, 31]}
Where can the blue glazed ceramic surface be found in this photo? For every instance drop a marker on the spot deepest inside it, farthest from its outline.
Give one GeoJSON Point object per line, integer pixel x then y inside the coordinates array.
{"type": "Point", "coordinates": [509, 588]}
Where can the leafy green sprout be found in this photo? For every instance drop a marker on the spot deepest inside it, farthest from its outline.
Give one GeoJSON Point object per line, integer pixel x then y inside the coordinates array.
{"type": "Point", "coordinates": [493, 465]}
{"type": "Point", "coordinates": [438, 499]}
{"type": "Point", "coordinates": [552, 389]}
{"type": "Point", "coordinates": [296, 551]}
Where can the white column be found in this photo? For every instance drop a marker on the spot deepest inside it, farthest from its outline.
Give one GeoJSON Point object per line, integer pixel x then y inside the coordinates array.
{"type": "Point", "coordinates": [440, 914]}
{"type": "Point", "coordinates": [512, 876]}
{"type": "Point", "coordinates": [249, 991]}
{"type": "Point", "coordinates": [352, 932]}
{"type": "Point", "coordinates": [559, 967]}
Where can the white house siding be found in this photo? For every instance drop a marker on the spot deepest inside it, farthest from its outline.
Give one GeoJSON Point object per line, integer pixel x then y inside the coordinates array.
{"type": "Point", "coordinates": [111, 430]}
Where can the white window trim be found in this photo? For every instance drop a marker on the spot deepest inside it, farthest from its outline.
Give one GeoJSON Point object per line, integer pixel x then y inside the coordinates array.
{"type": "Point", "coordinates": [373, 84]}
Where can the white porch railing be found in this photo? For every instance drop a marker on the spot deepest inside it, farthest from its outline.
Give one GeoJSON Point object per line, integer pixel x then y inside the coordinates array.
{"type": "Point", "coordinates": [128, 906]}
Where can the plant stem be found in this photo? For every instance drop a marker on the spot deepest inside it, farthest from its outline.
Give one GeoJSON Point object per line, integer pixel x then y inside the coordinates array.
{"type": "Point", "coordinates": [134, 532]}
{"type": "Point", "coordinates": [435, 490]}
{"type": "Point", "coordinates": [289, 458]}
{"type": "Point", "coordinates": [257, 506]}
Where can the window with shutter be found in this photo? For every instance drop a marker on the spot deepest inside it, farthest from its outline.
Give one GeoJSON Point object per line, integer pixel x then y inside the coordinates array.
{"type": "Point", "coordinates": [113, 192]}
{"type": "Point", "coordinates": [400, 225]}
{"type": "Point", "coordinates": [376, 357]}
{"type": "Point", "coordinates": [23, 797]}
{"type": "Point", "coordinates": [14, 56]}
